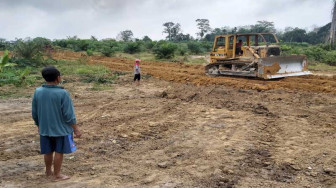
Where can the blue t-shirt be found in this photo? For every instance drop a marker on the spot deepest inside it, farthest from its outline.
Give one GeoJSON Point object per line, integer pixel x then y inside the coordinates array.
{"type": "Point", "coordinates": [53, 111]}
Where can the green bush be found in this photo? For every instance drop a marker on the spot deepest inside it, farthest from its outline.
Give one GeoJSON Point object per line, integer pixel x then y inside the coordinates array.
{"type": "Point", "coordinates": [182, 50]}
{"type": "Point", "coordinates": [27, 49]}
{"type": "Point", "coordinates": [42, 41]}
{"type": "Point", "coordinates": [4, 44]}
{"type": "Point", "coordinates": [330, 58]}
{"type": "Point", "coordinates": [17, 77]}
{"type": "Point", "coordinates": [207, 46]}
{"type": "Point", "coordinates": [286, 48]}
{"type": "Point", "coordinates": [107, 51]}
{"type": "Point", "coordinates": [165, 50]}
{"type": "Point", "coordinates": [132, 47]}
{"type": "Point", "coordinates": [315, 53]}
{"type": "Point", "coordinates": [4, 61]}
{"type": "Point", "coordinates": [149, 44]}
{"type": "Point", "coordinates": [89, 52]}
{"type": "Point", "coordinates": [27, 53]}
{"type": "Point", "coordinates": [195, 47]}
{"type": "Point", "coordinates": [61, 43]}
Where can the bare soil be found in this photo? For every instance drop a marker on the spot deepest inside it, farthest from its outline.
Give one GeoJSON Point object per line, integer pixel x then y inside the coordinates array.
{"type": "Point", "coordinates": [183, 129]}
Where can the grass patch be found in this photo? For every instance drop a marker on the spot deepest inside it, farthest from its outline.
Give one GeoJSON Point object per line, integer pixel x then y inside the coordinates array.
{"type": "Point", "coordinates": [144, 56]}
{"type": "Point", "coordinates": [198, 61]}
{"type": "Point", "coordinates": [101, 87]}
{"type": "Point", "coordinates": [147, 56]}
{"type": "Point", "coordinates": [314, 66]}
{"type": "Point", "coordinates": [20, 81]}
{"type": "Point", "coordinates": [79, 71]}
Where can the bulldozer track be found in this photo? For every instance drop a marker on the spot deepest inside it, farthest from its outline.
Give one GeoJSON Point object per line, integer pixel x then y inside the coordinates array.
{"type": "Point", "coordinates": [194, 74]}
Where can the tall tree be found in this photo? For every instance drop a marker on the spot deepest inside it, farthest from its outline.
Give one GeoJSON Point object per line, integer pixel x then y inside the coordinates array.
{"type": "Point", "coordinates": [175, 31]}
{"type": "Point", "coordinates": [172, 29]}
{"type": "Point", "coordinates": [126, 35]}
{"type": "Point", "coordinates": [295, 35]}
{"type": "Point", "coordinates": [333, 27]}
{"type": "Point", "coordinates": [168, 29]}
{"type": "Point", "coordinates": [204, 26]}
{"type": "Point", "coordinates": [211, 36]}
{"type": "Point", "coordinates": [263, 27]}
{"type": "Point", "coordinates": [146, 39]}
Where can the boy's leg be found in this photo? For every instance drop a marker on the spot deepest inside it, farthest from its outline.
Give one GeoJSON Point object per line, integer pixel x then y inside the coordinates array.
{"type": "Point", "coordinates": [58, 159]}
{"type": "Point", "coordinates": [64, 144]}
{"type": "Point", "coordinates": [138, 82]}
{"type": "Point", "coordinates": [47, 149]}
{"type": "Point", "coordinates": [48, 159]}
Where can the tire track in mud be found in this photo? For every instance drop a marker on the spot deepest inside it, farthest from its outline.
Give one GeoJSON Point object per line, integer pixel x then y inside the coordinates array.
{"type": "Point", "coordinates": [185, 73]}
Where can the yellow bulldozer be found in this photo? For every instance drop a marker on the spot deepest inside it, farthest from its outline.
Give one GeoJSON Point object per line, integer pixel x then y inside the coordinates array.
{"type": "Point", "coordinates": [253, 55]}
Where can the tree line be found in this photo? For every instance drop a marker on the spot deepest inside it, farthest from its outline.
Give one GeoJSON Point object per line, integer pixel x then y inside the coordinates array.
{"type": "Point", "coordinates": [174, 32]}
{"type": "Point", "coordinates": [177, 43]}
{"type": "Point", "coordinates": [206, 33]}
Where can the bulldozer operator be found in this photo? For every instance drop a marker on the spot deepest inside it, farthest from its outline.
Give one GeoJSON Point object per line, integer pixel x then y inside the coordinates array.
{"type": "Point", "coordinates": [238, 47]}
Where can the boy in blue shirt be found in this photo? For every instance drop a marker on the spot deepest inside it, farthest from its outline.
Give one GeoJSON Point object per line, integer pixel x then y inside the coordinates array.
{"type": "Point", "coordinates": [53, 113]}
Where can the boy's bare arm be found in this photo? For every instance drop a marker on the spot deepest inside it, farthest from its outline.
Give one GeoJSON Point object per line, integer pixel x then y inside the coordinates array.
{"type": "Point", "coordinates": [78, 134]}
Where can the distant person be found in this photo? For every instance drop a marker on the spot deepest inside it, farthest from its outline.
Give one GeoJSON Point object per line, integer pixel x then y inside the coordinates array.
{"type": "Point", "coordinates": [238, 47]}
{"type": "Point", "coordinates": [137, 75]}
{"type": "Point", "coordinates": [53, 113]}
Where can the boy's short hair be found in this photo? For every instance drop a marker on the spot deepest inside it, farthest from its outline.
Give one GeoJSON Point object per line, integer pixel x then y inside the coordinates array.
{"type": "Point", "coordinates": [50, 73]}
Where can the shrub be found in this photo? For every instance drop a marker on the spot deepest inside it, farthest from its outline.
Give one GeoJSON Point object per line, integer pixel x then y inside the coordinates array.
{"type": "Point", "coordinates": [165, 50]}
{"type": "Point", "coordinates": [330, 58]}
{"type": "Point", "coordinates": [149, 44]}
{"type": "Point", "coordinates": [315, 53]}
{"type": "Point", "coordinates": [27, 53]}
{"type": "Point", "coordinates": [195, 47]}
{"type": "Point", "coordinates": [285, 48]}
{"type": "Point", "coordinates": [4, 44]}
{"type": "Point", "coordinates": [207, 46]}
{"type": "Point", "coordinates": [4, 61]}
{"type": "Point", "coordinates": [89, 52]}
{"type": "Point", "coordinates": [17, 77]}
{"type": "Point", "coordinates": [27, 49]}
{"type": "Point", "coordinates": [132, 47]}
{"type": "Point", "coordinates": [42, 41]}
{"type": "Point", "coordinates": [182, 50]}
{"type": "Point", "coordinates": [107, 51]}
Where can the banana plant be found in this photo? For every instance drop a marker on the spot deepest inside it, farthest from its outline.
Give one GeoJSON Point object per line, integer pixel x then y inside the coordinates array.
{"type": "Point", "coordinates": [4, 61]}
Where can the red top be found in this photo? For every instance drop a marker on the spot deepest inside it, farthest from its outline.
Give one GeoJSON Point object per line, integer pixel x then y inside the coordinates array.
{"type": "Point", "coordinates": [239, 44]}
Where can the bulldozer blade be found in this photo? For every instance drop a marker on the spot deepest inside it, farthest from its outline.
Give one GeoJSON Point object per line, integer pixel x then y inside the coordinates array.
{"type": "Point", "coordinates": [279, 67]}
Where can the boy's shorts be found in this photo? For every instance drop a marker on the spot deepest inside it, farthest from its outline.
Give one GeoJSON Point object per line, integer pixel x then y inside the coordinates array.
{"type": "Point", "coordinates": [60, 144]}
{"type": "Point", "coordinates": [137, 77]}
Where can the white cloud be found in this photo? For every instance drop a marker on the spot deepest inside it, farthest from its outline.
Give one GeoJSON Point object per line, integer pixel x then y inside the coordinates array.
{"type": "Point", "coordinates": [106, 18]}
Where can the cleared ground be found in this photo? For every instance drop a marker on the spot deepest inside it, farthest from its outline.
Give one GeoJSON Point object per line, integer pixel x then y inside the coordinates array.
{"type": "Point", "coordinates": [184, 130]}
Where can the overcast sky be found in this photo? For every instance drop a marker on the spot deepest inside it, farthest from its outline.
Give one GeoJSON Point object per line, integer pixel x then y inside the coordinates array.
{"type": "Point", "coordinates": [57, 19]}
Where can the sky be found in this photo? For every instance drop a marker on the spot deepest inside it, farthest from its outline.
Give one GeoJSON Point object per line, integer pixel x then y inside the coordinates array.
{"type": "Point", "coordinates": [58, 19]}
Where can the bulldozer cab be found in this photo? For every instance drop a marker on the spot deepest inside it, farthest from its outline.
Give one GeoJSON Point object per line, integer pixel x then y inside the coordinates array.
{"type": "Point", "coordinates": [232, 46]}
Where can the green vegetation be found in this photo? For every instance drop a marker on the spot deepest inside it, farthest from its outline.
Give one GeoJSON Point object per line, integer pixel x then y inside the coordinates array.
{"type": "Point", "coordinates": [315, 53]}
{"type": "Point", "coordinates": [27, 57]}
{"type": "Point", "coordinates": [72, 71]}
{"type": "Point", "coordinates": [80, 71]}
{"type": "Point", "coordinates": [4, 61]}
{"type": "Point", "coordinates": [22, 69]}
{"type": "Point", "coordinates": [165, 50]}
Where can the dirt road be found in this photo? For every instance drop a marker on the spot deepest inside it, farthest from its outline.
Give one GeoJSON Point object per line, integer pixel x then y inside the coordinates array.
{"type": "Point", "coordinates": [177, 134]}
